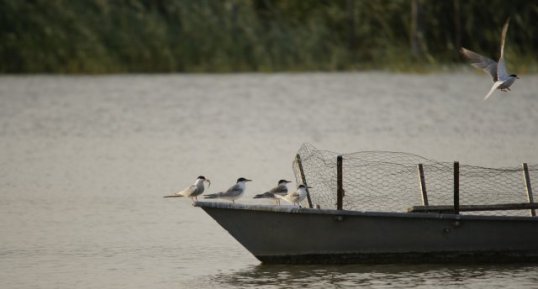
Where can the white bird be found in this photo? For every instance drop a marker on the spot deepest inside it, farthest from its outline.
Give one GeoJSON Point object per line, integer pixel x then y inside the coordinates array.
{"type": "Point", "coordinates": [281, 189]}
{"type": "Point", "coordinates": [194, 190]}
{"type": "Point", "coordinates": [501, 79]}
{"type": "Point", "coordinates": [233, 193]}
{"type": "Point", "coordinates": [295, 197]}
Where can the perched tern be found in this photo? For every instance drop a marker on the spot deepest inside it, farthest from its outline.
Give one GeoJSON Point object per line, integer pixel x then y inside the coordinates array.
{"type": "Point", "coordinates": [194, 190]}
{"type": "Point", "coordinates": [295, 197]}
{"type": "Point", "coordinates": [281, 189]}
{"type": "Point", "coordinates": [501, 79]}
{"type": "Point", "coordinates": [233, 193]}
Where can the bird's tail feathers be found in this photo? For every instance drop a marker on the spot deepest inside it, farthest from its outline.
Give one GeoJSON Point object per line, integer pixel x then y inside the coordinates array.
{"type": "Point", "coordinates": [213, 196]}
{"type": "Point", "coordinates": [173, 196]}
{"type": "Point", "coordinates": [264, 195]}
{"type": "Point", "coordinates": [495, 86]}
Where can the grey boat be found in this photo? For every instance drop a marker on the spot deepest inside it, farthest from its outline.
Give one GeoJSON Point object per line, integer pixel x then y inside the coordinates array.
{"type": "Point", "coordinates": [383, 213]}
{"type": "Point", "coordinates": [286, 235]}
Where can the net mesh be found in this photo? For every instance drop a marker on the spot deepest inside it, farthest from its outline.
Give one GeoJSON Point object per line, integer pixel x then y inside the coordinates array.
{"type": "Point", "coordinates": [389, 181]}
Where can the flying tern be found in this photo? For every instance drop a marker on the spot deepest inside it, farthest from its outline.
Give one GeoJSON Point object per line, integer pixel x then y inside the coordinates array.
{"type": "Point", "coordinates": [501, 79]}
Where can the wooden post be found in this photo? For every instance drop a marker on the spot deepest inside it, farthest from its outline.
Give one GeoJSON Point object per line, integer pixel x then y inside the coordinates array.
{"type": "Point", "coordinates": [422, 185]}
{"type": "Point", "coordinates": [528, 186]}
{"type": "Point", "coordinates": [303, 179]}
{"type": "Point", "coordinates": [456, 187]}
{"type": "Point", "coordinates": [339, 184]}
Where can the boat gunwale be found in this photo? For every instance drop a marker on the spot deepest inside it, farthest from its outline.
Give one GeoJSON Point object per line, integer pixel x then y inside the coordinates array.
{"type": "Point", "coordinates": [336, 213]}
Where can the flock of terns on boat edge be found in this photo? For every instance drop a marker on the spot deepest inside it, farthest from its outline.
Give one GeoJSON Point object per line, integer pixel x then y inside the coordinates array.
{"type": "Point", "coordinates": [280, 192]}
{"type": "Point", "coordinates": [496, 69]}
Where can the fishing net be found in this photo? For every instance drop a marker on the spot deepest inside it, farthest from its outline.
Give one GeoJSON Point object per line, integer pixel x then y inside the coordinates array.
{"type": "Point", "coordinates": [389, 182]}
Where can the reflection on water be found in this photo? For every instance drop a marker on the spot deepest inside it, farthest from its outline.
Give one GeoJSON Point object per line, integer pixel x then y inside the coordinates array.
{"type": "Point", "coordinates": [380, 276]}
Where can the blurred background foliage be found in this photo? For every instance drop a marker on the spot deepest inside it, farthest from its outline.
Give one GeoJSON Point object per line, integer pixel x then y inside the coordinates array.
{"type": "Point", "coordinates": [101, 36]}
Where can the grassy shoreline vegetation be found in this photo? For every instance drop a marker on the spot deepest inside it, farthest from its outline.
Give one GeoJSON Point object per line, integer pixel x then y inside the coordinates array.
{"type": "Point", "coordinates": [146, 36]}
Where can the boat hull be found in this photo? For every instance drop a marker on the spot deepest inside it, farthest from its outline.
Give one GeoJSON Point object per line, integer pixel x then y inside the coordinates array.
{"type": "Point", "coordinates": [297, 235]}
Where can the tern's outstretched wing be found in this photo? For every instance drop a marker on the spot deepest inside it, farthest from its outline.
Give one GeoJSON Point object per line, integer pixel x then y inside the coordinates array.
{"type": "Point", "coordinates": [501, 67]}
{"type": "Point", "coordinates": [487, 64]}
{"type": "Point", "coordinates": [503, 36]}
{"type": "Point", "coordinates": [495, 86]}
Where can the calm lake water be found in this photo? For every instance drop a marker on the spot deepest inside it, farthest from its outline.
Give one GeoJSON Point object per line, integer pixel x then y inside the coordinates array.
{"type": "Point", "coordinates": [86, 161]}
